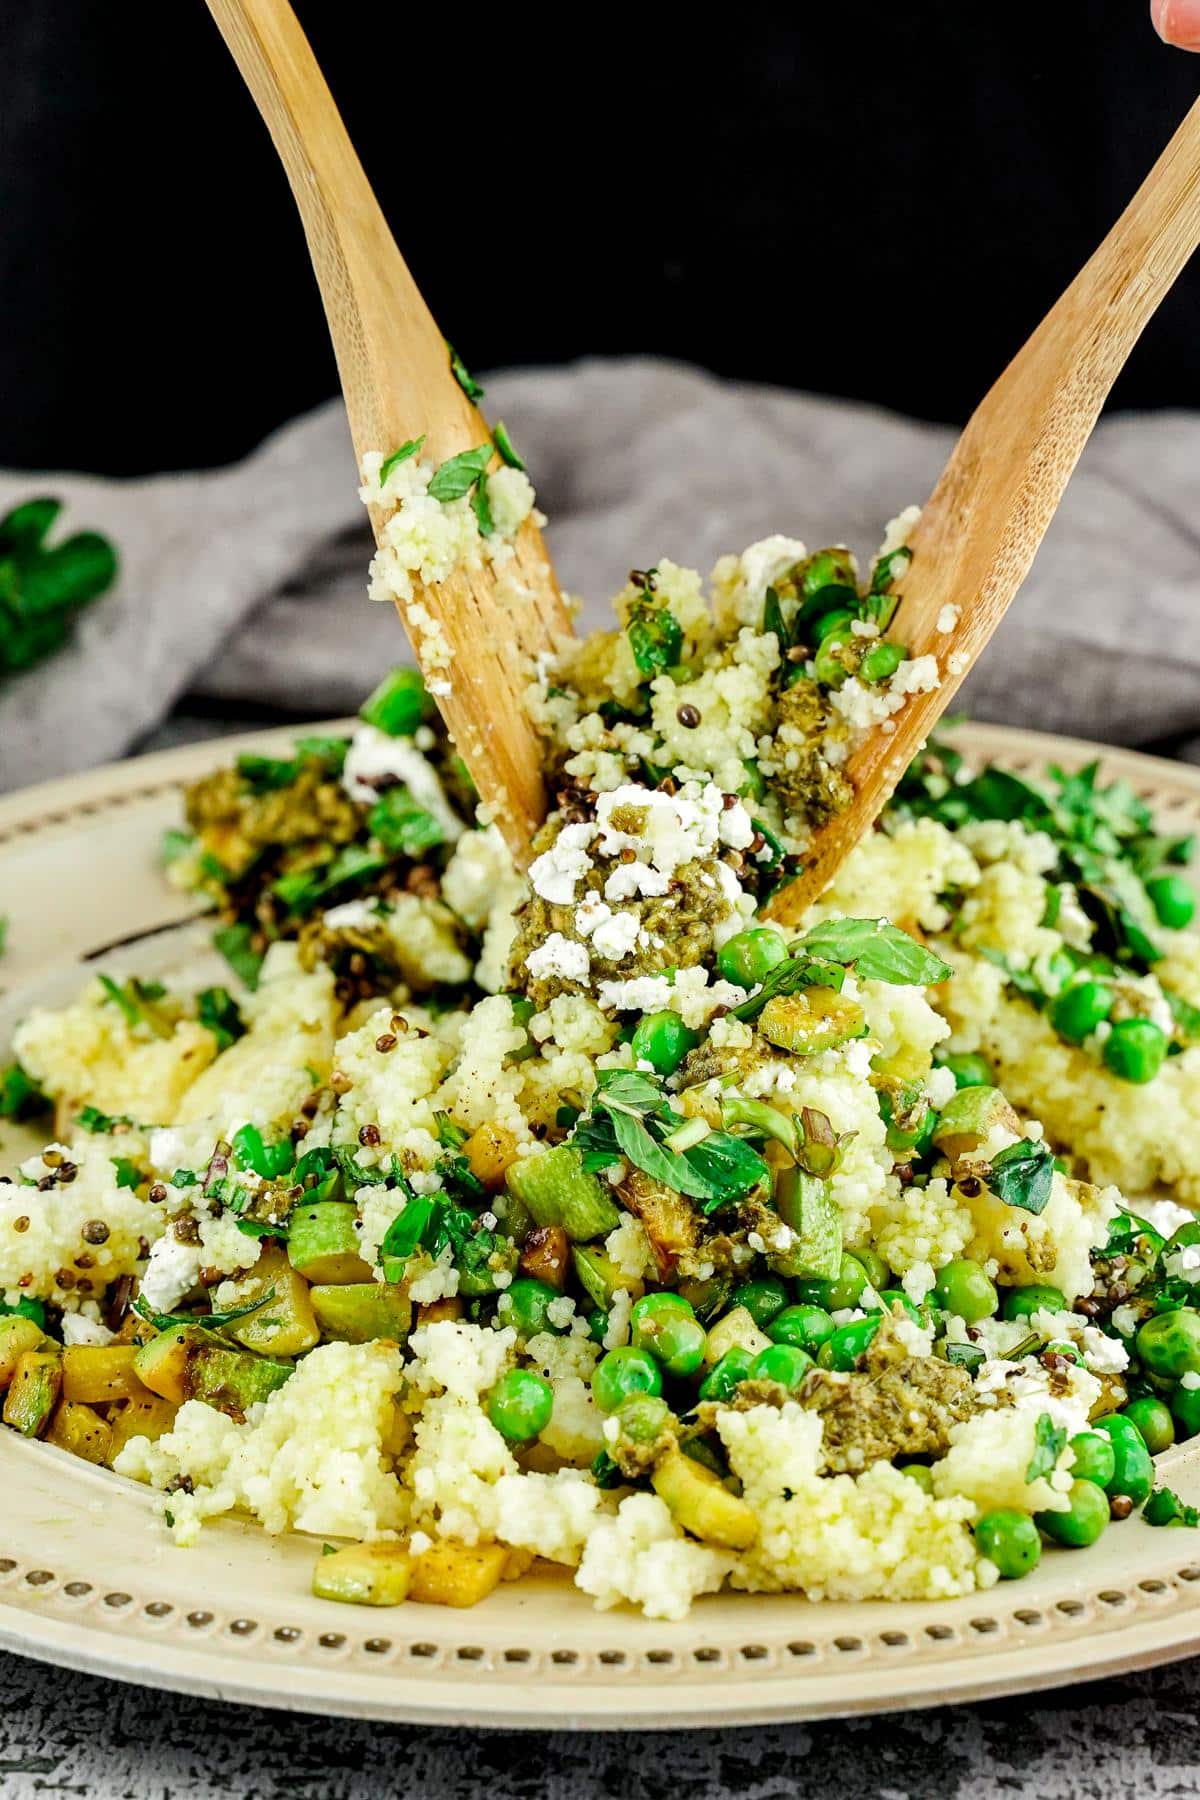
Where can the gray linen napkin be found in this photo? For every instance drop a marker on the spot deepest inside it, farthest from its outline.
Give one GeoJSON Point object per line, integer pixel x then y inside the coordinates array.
{"type": "Point", "coordinates": [247, 585]}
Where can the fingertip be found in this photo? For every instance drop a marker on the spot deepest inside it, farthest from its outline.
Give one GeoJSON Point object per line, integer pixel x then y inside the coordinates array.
{"type": "Point", "coordinates": [1177, 22]}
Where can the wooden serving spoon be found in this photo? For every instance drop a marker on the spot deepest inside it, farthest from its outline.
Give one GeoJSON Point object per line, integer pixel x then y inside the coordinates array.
{"type": "Point", "coordinates": [978, 533]}
{"type": "Point", "coordinates": [397, 381]}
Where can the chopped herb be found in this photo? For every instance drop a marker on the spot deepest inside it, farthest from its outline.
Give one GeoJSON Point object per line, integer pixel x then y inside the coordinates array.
{"type": "Point", "coordinates": [217, 1011]}
{"type": "Point", "coordinates": [235, 944]}
{"type": "Point", "coordinates": [398, 705]}
{"type": "Point", "coordinates": [630, 1117]}
{"type": "Point", "coordinates": [787, 977]}
{"type": "Point", "coordinates": [1049, 1443]}
{"type": "Point", "coordinates": [1022, 1175]}
{"type": "Point", "coordinates": [266, 774]}
{"type": "Point", "coordinates": [410, 448]}
{"type": "Point", "coordinates": [43, 587]}
{"type": "Point", "coordinates": [966, 1356]}
{"type": "Point", "coordinates": [1186, 1017]}
{"type": "Point", "coordinates": [504, 445]}
{"type": "Point", "coordinates": [465, 380]}
{"type": "Point", "coordinates": [655, 637]}
{"type": "Point", "coordinates": [128, 1173]}
{"type": "Point", "coordinates": [877, 951]}
{"type": "Point", "coordinates": [92, 1119]}
{"type": "Point", "coordinates": [481, 506]}
{"type": "Point", "coordinates": [773, 620]}
{"type": "Point", "coordinates": [211, 1321]}
{"type": "Point", "coordinates": [331, 751]}
{"type": "Point", "coordinates": [136, 1001]}
{"type": "Point", "coordinates": [1164, 1507]}
{"type": "Point", "coordinates": [459, 474]}
{"type": "Point", "coordinates": [174, 845]}
{"type": "Point", "coordinates": [402, 826]}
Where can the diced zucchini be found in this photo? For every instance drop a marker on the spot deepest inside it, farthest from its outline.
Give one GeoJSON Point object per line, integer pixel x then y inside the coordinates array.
{"type": "Point", "coordinates": [81, 1430]}
{"type": "Point", "coordinates": [669, 1219]}
{"type": "Point", "coordinates": [700, 1502]}
{"type": "Point", "coordinates": [285, 1324]}
{"type": "Point", "coordinates": [323, 1244]}
{"type": "Point", "coordinates": [149, 1416]}
{"type": "Point", "coordinates": [361, 1311]}
{"type": "Point", "coordinates": [600, 1278]}
{"type": "Point", "coordinates": [806, 1204]}
{"type": "Point", "coordinates": [813, 1019]}
{"type": "Point", "coordinates": [454, 1574]}
{"type": "Point", "coordinates": [736, 1331]}
{"type": "Point", "coordinates": [96, 1373]}
{"type": "Point", "coordinates": [187, 1363]}
{"type": "Point", "coordinates": [17, 1335]}
{"type": "Point", "coordinates": [968, 1118]}
{"type": "Point", "coordinates": [558, 1190]}
{"type": "Point", "coordinates": [365, 1574]}
{"type": "Point", "coordinates": [33, 1391]}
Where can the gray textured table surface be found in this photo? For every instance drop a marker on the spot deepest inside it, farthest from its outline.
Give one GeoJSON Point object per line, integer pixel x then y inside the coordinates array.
{"type": "Point", "coordinates": [75, 1735]}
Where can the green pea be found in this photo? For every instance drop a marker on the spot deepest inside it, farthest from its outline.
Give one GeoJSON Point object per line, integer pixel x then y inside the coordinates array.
{"type": "Point", "coordinates": [597, 1324]}
{"type": "Point", "coordinates": [963, 1287]}
{"type": "Point", "coordinates": [725, 1376]}
{"type": "Point", "coordinates": [1010, 1540]}
{"type": "Point", "coordinates": [806, 1327]}
{"type": "Point", "coordinates": [524, 1305]}
{"type": "Point", "coordinates": [1023, 1302]}
{"type": "Point", "coordinates": [921, 1473]}
{"type": "Point", "coordinates": [783, 1363]}
{"type": "Point", "coordinates": [1169, 1343]}
{"type": "Point", "coordinates": [1095, 1458]}
{"type": "Point", "coordinates": [878, 1273]}
{"type": "Point", "coordinates": [1153, 1420]}
{"type": "Point", "coordinates": [1084, 1520]}
{"type": "Point", "coordinates": [1134, 1472]}
{"type": "Point", "coordinates": [663, 1040]}
{"type": "Point", "coordinates": [1079, 1009]}
{"type": "Point", "coordinates": [845, 1289]}
{"type": "Point", "coordinates": [622, 1372]}
{"type": "Point", "coordinates": [675, 1339]}
{"type": "Point", "coordinates": [881, 660]}
{"type": "Point", "coordinates": [891, 1297]}
{"type": "Point", "coordinates": [1065, 1348]}
{"type": "Point", "coordinates": [969, 1070]}
{"type": "Point", "coordinates": [1135, 1050]}
{"type": "Point", "coordinates": [643, 1417]}
{"type": "Point", "coordinates": [839, 621]}
{"type": "Point", "coordinates": [827, 665]}
{"type": "Point", "coordinates": [842, 1349]}
{"type": "Point", "coordinates": [761, 1299]}
{"type": "Point", "coordinates": [1173, 900]}
{"type": "Point", "coordinates": [749, 957]}
{"type": "Point", "coordinates": [657, 1306]}
{"type": "Point", "coordinates": [1185, 1408]}
{"type": "Point", "coordinates": [520, 1405]}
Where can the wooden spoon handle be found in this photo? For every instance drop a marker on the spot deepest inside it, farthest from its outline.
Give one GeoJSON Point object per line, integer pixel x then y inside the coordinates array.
{"type": "Point", "coordinates": [398, 384]}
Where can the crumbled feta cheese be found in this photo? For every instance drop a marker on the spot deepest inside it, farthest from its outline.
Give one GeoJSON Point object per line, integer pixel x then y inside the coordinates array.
{"type": "Point", "coordinates": [559, 957]}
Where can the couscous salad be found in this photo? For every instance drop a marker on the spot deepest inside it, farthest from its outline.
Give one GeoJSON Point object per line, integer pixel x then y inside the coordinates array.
{"type": "Point", "coordinates": [465, 1219]}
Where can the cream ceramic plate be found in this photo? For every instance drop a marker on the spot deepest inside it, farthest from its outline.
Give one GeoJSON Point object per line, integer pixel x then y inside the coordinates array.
{"type": "Point", "coordinates": [88, 1578]}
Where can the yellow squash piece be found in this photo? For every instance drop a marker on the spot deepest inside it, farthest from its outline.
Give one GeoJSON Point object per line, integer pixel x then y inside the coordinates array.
{"type": "Point", "coordinates": [813, 1019]}
{"type": "Point", "coordinates": [490, 1151]}
{"type": "Point", "coordinates": [365, 1574]}
{"type": "Point", "coordinates": [700, 1502]}
{"type": "Point", "coordinates": [736, 1331]}
{"type": "Point", "coordinates": [81, 1430]}
{"type": "Point", "coordinates": [188, 1363]}
{"type": "Point", "coordinates": [33, 1391]}
{"type": "Point", "coordinates": [454, 1574]}
{"type": "Point", "coordinates": [285, 1324]}
{"type": "Point", "coordinates": [96, 1373]}
{"type": "Point", "coordinates": [17, 1335]}
{"type": "Point", "coordinates": [151, 1417]}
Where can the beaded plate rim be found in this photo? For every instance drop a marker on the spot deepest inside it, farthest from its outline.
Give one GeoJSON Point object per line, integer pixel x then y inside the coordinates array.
{"type": "Point", "coordinates": [87, 1581]}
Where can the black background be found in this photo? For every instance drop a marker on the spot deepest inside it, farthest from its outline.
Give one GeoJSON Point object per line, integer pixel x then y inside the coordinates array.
{"type": "Point", "coordinates": [867, 198]}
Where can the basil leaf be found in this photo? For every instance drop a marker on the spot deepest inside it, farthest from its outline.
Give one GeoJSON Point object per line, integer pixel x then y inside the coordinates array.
{"type": "Point", "coordinates": [411, 448]}
{"type": "Point", "coordinates": [92, 1119]}
{"type": "Point", "coordinates": [481, 506]}
{"type": "Point", "coordinates": [128, 1173]}
{"type": "Point", "coordinates": [655, 1160]}
{"type": "Point", "coordinates": [234, 943]}
{"type": "Point", "coordinates": [966, 1356]}
{"type": "Point", "coordinates": [414, 1229]}
{"type": "Point", "coordinates": [401, 825]}
{"type": "Point", "coordinates": [458, 476]}
{"type": "Point", "coordinates": [25, 529]}
{"type": "Point", "coordinates": [878, 951]}
{"type": "Point", "coordinates": [787, 977]}
{"type": "Point", "coordinates": [264, 774]}
{"type": "Point", "coordinates": [630, 1089]}
{"type": "Point", "coordinates": [465, 380]}
{"type": "Point", "coordinates": [773, 620]}
{"type": "Point", "coordinates": [211, 1321]}
{"type": "Point", "coordinates": [1023, 1175]}
{"type": "Point", "coordinates": [217, 1011]}
{"type": "Point", "coordinates": [1049, 1443]}
{"type": "Point", "coordinates": [729, 1165]}
{"type": "Point", "coordinates": [504, 445]}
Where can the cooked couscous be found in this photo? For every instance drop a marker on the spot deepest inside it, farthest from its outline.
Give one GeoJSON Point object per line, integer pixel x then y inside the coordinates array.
{"type": "Point", "coordinates": [470, 1219]}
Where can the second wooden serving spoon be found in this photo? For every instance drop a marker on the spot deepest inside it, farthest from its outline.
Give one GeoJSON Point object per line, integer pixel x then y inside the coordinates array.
{"type": "Point", "coordinates": [978, 533]}
{"type": "Point", "coordinates": [398, 384]}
